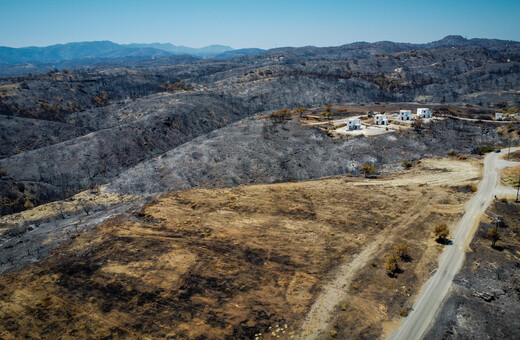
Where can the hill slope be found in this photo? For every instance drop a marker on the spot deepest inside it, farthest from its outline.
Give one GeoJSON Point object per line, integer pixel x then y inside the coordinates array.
{"type": "Point", "coordinates": [121, 118]}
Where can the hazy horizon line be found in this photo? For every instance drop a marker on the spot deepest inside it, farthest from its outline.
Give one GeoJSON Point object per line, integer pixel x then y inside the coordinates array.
{"type": "Point", "coordinates": [272, 47]}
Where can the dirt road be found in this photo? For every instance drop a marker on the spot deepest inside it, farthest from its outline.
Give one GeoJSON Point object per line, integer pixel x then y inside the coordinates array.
{"type": "Point", "coordinates": [487, 121]}
{"type": "Point", "coordinates": [440, 172]}
{"type": "Point", "coordinates": [435, 289]}
{"type": "Point", "coordinates": [434, 172]}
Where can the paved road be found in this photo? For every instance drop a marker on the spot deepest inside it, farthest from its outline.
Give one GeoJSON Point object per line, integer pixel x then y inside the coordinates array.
{"type": "Point", "coordinates": [450, 262]}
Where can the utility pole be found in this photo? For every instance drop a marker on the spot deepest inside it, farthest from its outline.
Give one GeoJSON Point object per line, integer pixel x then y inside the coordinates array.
{"type": "Point", "coordinates": [509, 148]}
{"type": "Point", "coordinates": [517, 189]}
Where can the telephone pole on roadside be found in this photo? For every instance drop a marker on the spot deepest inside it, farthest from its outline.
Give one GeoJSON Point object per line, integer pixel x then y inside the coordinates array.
{"type": "Point", "coordinates": [509, 153]}
{"type": "Point", "coordinates": [517, 189]}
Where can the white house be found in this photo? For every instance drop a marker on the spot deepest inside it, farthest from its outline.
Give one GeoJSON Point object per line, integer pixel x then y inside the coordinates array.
{"type": "Point", "coordinates": [354, 124]}
{"type": "Point", "coordinates": [405, 115]}
{"type": "Point", "coordinates": [381, 119]}
{"type": "Point", "coordinates": [499, 115]}
{"type": "Point", "coordinates": [424, 113]}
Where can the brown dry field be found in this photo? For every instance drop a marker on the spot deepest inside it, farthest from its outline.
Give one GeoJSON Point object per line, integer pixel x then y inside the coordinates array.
{"type": "Point", "coordinates": [511, 175]}
{"type": "Point", "coordinates": [233, 263]}
{"type": "Point", "coordinates": [513, 157]}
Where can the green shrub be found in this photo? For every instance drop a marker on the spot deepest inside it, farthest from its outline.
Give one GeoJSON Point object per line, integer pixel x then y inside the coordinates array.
{"type": "Point", "coordinates": [485, 149]}
{"type": "Point", "coordinates": [407, 164]}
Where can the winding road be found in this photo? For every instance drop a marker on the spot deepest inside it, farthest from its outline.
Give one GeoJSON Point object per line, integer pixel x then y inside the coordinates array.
{"type": "Point", "coordinates": [435, 289]}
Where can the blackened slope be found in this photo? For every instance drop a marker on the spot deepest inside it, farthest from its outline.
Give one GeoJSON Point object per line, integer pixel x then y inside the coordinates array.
{"type": "Point", "coordinates": [21, 134]}
{"type": "Point", "coordinates": [100, 156]}
{"type": "Point", "coordinates": [261, 151]}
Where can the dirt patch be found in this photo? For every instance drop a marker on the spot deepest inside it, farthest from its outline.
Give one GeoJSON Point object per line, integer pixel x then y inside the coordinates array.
{"type": "Point", "coordinates": [235, 263]}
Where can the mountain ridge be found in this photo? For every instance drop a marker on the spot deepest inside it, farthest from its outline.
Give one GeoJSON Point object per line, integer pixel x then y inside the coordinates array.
{"type": "Point", "coordinates": [107, 49]}
{"type": "Point", "coordinates": [205, 51]}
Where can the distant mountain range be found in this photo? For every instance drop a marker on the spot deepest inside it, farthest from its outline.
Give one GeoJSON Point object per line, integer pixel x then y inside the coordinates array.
{"type": "Point", "coordinates": [108, 50]}
{"type": "Point", "coordinates": [361, 50]}
{"type": "Point", "coordinates": [77, 55]}
{"type": "Point", "coordinates": [207, 51]}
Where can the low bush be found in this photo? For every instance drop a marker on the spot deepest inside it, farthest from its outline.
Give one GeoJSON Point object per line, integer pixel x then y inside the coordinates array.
{"type": "Point", "coordinates": [485, 149]}
{"type": "Point", "coordinates": [403, 251]}
{"type": "Point", "coordinates": [403, 312]}
{"type": "Point", "coordinates": [407, 164]}
{"type": "Point", "coordinates": [392, 264]}
{"type": "Point", "coordinates": [441, 233]}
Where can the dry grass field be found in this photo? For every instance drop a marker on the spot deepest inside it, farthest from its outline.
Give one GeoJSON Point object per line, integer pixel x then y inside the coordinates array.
{"type": "Point", "coordinates": [252, 262]}
{"type": "Point", "coordinates": [511, 176]}
{"type": "Point", "coordinates": [514, 156]}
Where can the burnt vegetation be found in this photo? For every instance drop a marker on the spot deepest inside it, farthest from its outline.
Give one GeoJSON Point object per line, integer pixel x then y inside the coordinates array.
{"type": "Point", "coordinates": [65, 129]}
{"type": "Point", "coordinates": [486, 291]}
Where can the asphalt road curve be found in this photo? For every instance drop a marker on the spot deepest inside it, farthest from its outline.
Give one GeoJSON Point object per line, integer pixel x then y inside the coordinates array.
{"type": "Point", "coordinates": [433, 292]}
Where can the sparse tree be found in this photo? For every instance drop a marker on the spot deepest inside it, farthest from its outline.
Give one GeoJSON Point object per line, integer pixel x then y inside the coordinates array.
{"type": "Point", "coordinates": [101, 99]}
{"type": "Point", "coordinates": [441, 233]}
{"type": "Point", "coordinates": [300, 110]}
{"type": "Point", "coordinates": [494, 236]}
{"type": "Point", "coordinates": [281, 116]}
{"type": "Point", "coordinates": [407, 164]}
{"type": "Point", "coordinates": [327, 114]}
{"type": "Point", "coordinates": [402, 250]}
{"type": "Point", "coordinates": [91, 186]}
{"type": "Point", "coordinates": [453, 153]}
{"type": "Point", "coordinates": [328, 107]}
{"type": "Point", "coordinates": [84, 206]}
{"type": "Point", "coordinates": [367, 169]}
{"type": "Point", "coordinates": [391, 264]}
{"type": "Point", "coordinates": [59, 207]}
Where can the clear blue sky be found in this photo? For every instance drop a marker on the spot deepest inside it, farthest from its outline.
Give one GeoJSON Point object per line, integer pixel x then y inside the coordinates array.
{"type": "Point", "coordinates": [253, 23]}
